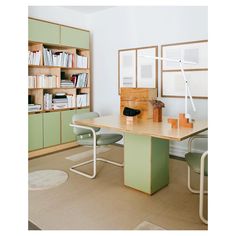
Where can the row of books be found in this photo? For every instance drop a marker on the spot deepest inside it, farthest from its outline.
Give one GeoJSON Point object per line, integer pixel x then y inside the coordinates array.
{"type": "Point", "coordinates": [42, 81]}
{"type": "Point", "coordinates": [82, 61]}
{"type": "Point", "coordinates": [34, 107]}
{"type": "Point", "coordinates": [80, 80]}
{"type": "Point", "coordinates": [63, 100]}
{"type": "Point", "coordinates": [57, 58]}
{"type": "Point", "coordinates": [34, 57]}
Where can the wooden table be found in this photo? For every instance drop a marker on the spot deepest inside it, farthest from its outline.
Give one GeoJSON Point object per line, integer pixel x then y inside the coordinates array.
{"type": "Point", "coordinates": [146, 148]}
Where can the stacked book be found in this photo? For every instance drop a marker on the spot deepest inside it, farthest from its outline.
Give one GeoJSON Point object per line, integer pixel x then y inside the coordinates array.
{"type": "Point", "coordinates": [34, 107]}
{"type": "Point", "coordinates": [82, 61]}
{"type": "Point", "coordinates": [46, 81]}
{"type": "Point", "coordinates": [34, 57]}
{"type": "Point", "coordinates": [32, 81]}
{"type": "Point", "coordinates": [47, 101]}
{"type": "Point", "coordinates": [65, 83]}
{"type": "Point", "coordinates": [60, 101]}
{"type": "Point", "coordinates": [80, 80]}
{"type": "Point", "coordinates": [58, 58]}
{"type": "Point", "coordinates": [82, 100]}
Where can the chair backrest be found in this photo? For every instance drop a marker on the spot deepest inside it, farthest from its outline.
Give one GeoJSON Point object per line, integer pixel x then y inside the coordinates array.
{"type": "Point", "coordinates": [83, 116]}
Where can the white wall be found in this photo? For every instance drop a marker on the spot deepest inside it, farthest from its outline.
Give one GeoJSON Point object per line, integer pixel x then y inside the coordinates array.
{"type": "Point", "coordinates": [128, 27]}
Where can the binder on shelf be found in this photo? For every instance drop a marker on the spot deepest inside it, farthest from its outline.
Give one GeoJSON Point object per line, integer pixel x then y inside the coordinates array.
{"type": "Point", "coordinates": [82, 61]}
{"type": "Point", "coordinates": [82, 100]}
{"type": "Point", "coordinates": [34, 57]}
{"type": "Point", "coordinates": [47, 101]}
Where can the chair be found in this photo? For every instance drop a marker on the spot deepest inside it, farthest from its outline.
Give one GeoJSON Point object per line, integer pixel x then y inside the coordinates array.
{"type": "Point", "coordinates": [197, 162]}
{"type": "Point", "coordinates": [87, 136]}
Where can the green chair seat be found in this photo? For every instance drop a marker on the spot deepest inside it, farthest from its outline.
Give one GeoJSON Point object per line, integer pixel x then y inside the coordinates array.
{"type": "Point", "coordinates": [194, 159]}
{"type": "Point", "coordinates": [102, 139]}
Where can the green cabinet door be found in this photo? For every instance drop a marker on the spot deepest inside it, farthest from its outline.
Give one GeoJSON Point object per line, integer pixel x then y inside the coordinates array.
{"type": "Point", "coordinates": [40, 31]}
{"type": "Point", "coordinates": [83, 110]}
{"type": "Point", "coordinates": [67, 134]}
{"type": "Point", "coordinates": [74, 37]}
{"type": "Point", "coordinates": [51, 129]}
{"type": "Point", "coordinates": [35, 132]}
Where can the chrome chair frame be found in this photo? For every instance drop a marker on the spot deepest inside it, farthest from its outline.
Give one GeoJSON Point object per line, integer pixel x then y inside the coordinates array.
{"type": "Point", "coordinates": [201, 190]}
{"type": "Point", "coordinates": [95, 159]}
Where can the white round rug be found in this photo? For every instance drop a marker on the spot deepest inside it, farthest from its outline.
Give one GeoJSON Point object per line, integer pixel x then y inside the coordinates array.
{"type": "Point", "coordinates": [45, 179]}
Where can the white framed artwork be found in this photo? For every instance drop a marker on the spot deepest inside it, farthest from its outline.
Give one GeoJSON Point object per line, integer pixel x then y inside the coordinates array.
{"type": "Point", "coordinates": [127, 68]}
{"type": "Point", "coordinates": [196, 51]}
{"type": "Point", "coordinates": [135, 71]}
{"type": "Point", "coordinates": [147, 68]}
{"type": "Point", "coordinates": [173, 84]}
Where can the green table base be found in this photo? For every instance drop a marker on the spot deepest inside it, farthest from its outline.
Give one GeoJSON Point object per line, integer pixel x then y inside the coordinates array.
{"type": "Point", "coordinates": [146, 163]}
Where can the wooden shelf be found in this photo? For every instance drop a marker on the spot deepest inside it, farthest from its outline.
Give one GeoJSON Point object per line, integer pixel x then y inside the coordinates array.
{"type": "Point", "coordinates": [59, 67]}
{"type": "Point", "coordinates": [62, 88]}
{"type": "Point", "coordinates": [65, 109]}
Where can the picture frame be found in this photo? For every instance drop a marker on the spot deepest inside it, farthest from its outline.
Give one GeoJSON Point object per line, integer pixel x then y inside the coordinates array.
{"type": "Point", "coordinates": [127, 68]}
{"type": "Point", "coordinates": [172, 82]}
{"type": "Point", "coordinates": [147, 68]}
{"type": "Point", "coordinates": [136, 71]}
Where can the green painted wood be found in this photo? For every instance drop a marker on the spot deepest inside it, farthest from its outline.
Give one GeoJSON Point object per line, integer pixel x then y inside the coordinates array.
{"type": "Point", "coordinates": [146, 163]}
{"type": "Point", "coordinates": [51, 129]}
{"type": "Point", "coordinates": [74, 37]}
{"type": "Point", "coordinates": [137, 167]}
{"type": "Point", "coordinates": [44, 32]}
{"type": "Point", "coordinates": [83, 110]}
{"type": "Point", "coordinates": [67, 134]}
{"type": "Point", "coordinates": [35, 132]}
{"type": "Point", "coordinates": [160, 164]}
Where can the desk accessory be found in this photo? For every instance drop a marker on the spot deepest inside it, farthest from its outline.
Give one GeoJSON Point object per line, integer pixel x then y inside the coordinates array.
{"type": "Point", "coordinates": [157, 109]}
{"type": "Point", "coordinates": [130, 114]}
{"type": "Point", "coordinates": [173, 122]}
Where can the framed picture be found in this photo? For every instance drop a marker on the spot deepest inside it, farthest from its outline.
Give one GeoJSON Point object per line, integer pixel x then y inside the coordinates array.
{"type": "Point", "coordinates": [174, 85]}
{"type": "Point", "coordinates": [147, 68]}
{"type": "Point", "coordinates": [136, 71]}
{"type": "Point", "coordinates": [127, 68]}
{"type": "Point", "coordinates": [172, 82]}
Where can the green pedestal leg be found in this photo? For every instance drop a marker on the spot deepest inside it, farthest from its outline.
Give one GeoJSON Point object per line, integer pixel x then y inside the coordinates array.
{"type": "Point", "coordinates": [146, 163]}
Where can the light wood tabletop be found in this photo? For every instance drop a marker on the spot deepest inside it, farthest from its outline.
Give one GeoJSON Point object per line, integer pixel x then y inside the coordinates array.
{"type": "Point", "coordinates": [147, 127]}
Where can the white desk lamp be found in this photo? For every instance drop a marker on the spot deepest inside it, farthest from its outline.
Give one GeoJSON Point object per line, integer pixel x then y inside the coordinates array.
{"type": "Point", "coordinates": [187, 89]}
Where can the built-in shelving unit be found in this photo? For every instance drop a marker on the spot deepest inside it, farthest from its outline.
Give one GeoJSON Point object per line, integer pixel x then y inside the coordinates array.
{"type": "Point", "coordinates": [59, 82]}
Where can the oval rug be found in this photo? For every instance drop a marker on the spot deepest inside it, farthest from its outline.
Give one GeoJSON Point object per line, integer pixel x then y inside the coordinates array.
{"type": "Point", "coordinates": [45, 179]}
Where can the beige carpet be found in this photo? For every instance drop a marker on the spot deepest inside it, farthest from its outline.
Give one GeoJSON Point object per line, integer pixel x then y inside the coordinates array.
{"type": "Point", "coordinates": [89, 153]}
{"type": "Point", "coordinates": [105, 203]}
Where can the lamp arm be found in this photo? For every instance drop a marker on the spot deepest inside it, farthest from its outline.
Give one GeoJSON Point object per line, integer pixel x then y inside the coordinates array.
{"type": "Point", "coordinates": [169, 59]}
{"type": "Point", "coordinates": [187, 91]}
{"type": "Point", "coordinates": [191, 98]}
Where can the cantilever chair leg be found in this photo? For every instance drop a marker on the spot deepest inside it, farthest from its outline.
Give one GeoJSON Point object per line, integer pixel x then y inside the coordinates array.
{"type": "Point", "coordinates": [201, 195]}
{"type": "Point", "coordinates": [87, 162]}
{"type": "Point", "coordinates": [94, 160]}
{"type": "Point", "coordinates": [189, 184]}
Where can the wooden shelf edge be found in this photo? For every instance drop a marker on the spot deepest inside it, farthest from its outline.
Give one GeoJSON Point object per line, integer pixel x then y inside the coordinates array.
{"type": "Point", "coordinates": [62, 88]}
{"type": "Point", "coordinates": [65, 109]}
{"type": "Point", "coordinates": [59, 67]}
{"type": "Point", "coordinates": [48, 150]}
